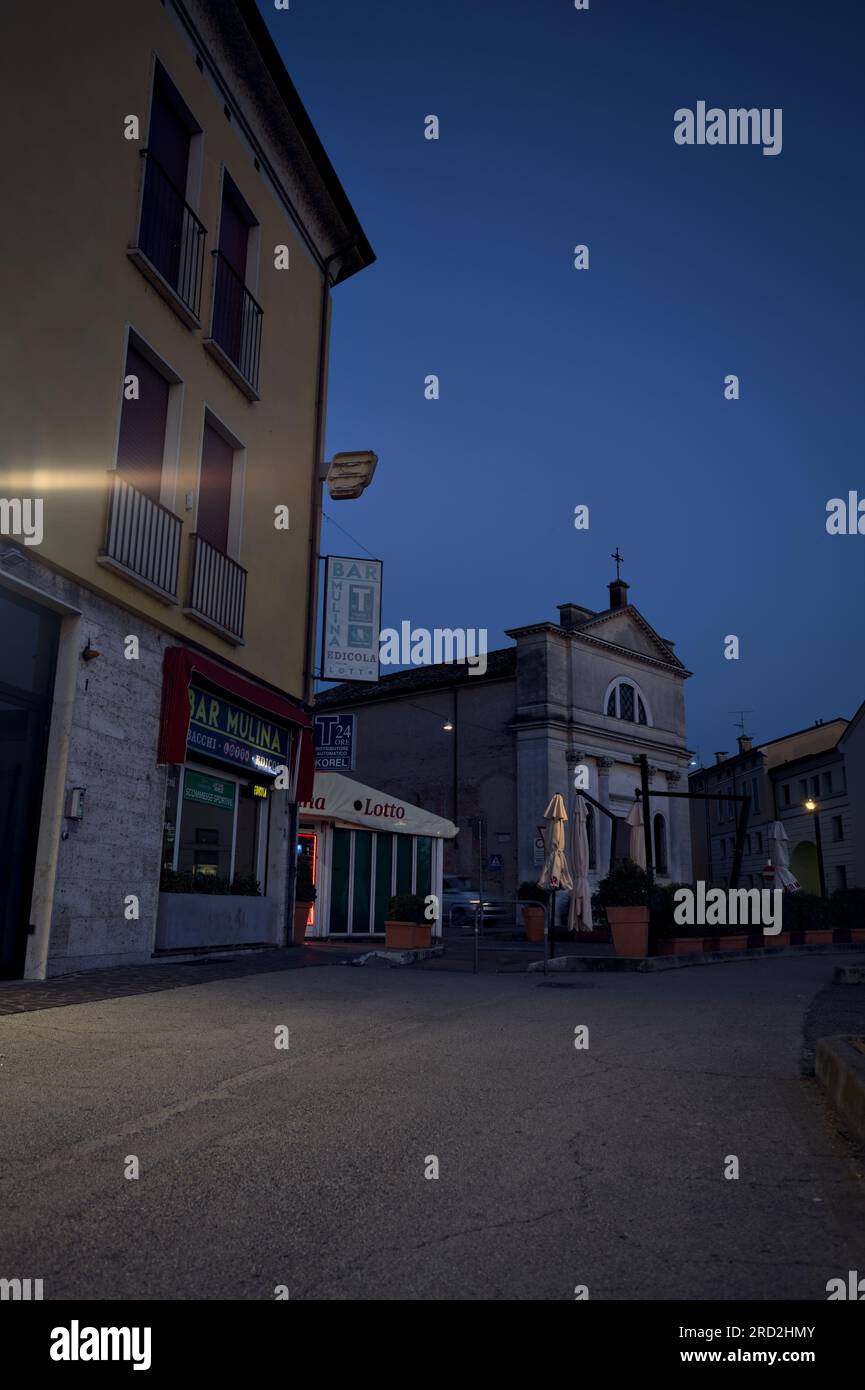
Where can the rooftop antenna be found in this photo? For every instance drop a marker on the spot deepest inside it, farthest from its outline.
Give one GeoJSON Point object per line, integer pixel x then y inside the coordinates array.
{"type": "Point", "coordinates": [740, 722]}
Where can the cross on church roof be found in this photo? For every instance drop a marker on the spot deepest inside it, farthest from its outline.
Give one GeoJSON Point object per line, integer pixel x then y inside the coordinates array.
{"type": "Point", "coordinates": [619, 559]}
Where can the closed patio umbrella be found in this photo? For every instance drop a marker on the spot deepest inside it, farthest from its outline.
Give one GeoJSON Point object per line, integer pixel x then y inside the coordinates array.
{"type": "Point", "coordinates": [580, 911]}
{"type": "Point", "coordinates": [779, 855]}
{"type": "Point", "coordinates": [556, 874]}
{"type": "Point", "coordinates": [636, 839]}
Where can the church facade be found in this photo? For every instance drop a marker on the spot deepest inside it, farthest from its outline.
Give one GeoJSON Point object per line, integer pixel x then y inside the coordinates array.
{"type": "Point", "coordinates": [596, 689]}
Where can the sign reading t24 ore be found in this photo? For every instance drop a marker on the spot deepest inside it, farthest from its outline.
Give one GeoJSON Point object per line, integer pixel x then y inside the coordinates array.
{"type": "Point", "coordinates": [334, 742]}
{"type": "Point", "coordinates": [352, 619]}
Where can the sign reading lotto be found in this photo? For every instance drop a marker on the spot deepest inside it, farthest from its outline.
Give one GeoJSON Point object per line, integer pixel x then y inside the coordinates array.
{"type": "Point", "coordinates": [208, 791]}
{"type": "Point", "coordinates": [233, 735]}
{"type": "Point", "coordinates": [352, 618]}
{"type": "Point", "coordinates": [334, 742]}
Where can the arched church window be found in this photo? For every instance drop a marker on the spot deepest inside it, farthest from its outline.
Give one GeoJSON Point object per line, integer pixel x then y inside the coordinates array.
{"type": "Point", "coordinates": [660, 828]}
{"type": "Point", "coordinates": [624, 701]}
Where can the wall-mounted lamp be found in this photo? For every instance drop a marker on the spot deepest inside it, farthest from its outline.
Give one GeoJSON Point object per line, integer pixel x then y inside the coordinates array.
{"type": "Point", "coordinates": [90, 653]}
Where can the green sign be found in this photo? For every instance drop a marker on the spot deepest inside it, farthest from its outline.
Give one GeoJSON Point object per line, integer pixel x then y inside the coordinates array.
{"type": "Point", "coordinates": [208, 791]}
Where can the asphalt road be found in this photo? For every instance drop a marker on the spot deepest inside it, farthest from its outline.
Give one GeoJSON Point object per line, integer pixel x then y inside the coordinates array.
{"type": "Point", "coordinates": [558, 1167]}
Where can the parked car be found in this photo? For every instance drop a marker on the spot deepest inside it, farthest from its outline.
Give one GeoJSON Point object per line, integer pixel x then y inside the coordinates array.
{"type": "Point", "coordinates": [460, 899]}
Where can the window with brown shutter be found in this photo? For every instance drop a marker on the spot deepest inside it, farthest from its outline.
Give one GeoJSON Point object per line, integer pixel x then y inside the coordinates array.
{"type": "Point", "coordinates": [141, 446]}
{"type": "Point", "coordinates": [214, 488]}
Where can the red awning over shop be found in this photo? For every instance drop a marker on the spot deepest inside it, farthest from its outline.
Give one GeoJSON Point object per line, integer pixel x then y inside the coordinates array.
{"type": "Point", "coordinates": [178, 666]}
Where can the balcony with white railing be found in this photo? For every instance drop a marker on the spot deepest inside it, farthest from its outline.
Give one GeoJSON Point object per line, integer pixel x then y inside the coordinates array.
{"type": "Point", "coordinates": [142, 539]}
{"type": "Point", "coordinates": [217, 590]}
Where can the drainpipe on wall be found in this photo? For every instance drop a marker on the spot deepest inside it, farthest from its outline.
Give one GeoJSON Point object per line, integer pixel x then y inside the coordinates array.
{"type": "Point", "coordinates": [312, 569]}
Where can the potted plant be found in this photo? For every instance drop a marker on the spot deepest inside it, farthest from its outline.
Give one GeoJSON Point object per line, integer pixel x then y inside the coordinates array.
{"type": "Point", "coordinates": [806, 917]}
{"type": "Point", "coordinates": [667, 937]}
{"type": "Point", "coordinates": [847, 907]}
{"type": "Point", "coordinates": [304, 896]}
{"type": "Point", "coordinates": [624, 895]}
{"type": "Point", "coordinates": [534, 901]}
{"type": "Point", "coordinates": [406, 927]}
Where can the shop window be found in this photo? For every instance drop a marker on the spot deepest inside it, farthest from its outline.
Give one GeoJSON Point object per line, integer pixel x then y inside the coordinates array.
{"type": "Point", "coordinates": [246, 840]}
{"type": "Point", "coordinates": [383, 877]}
{"type": "Point", "coordinates": [403, 864]}
{"type": "Point", "coordinates": [213, 825]}
{"type": "Point", "coordinates": [362, 876]}
{"type": "Point", "coordinates": [423, 871]}
{"type": "Point", "coordinates": [341, 857]}
{"type": "Point", "coordinates": [206, 825]}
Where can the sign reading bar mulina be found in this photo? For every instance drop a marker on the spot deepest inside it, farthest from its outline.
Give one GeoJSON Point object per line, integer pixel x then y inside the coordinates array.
{"type": "Point", "coordinates": [352, 618]}
{"type": "Point", "coordinates": [234, 735]}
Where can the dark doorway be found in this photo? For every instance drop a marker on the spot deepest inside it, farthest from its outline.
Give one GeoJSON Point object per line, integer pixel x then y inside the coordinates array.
{"type": "Point", "coordinates": [28, 655]}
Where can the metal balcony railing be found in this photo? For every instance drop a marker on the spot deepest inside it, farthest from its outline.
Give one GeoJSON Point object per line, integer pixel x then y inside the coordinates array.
{"type": "Point", "coordinates": [142, 537]}
{"type": "Point", "coordinates": [170, 234]}
{"type": "Point", "coordinates": [237, 317]}
{"type": "Point", "coordinates": [217, 589]}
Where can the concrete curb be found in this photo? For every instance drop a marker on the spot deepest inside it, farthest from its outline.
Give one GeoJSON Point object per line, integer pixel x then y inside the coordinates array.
{"type": "Point", "coordinates": [840, 1069]}
{"type": "Point", "coordinates": [648, 964]}
{"type": "Point", "coordinates": [397, 957]}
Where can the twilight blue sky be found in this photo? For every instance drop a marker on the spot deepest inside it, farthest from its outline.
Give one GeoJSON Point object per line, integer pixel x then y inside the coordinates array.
{"type": "Point", "coordinates": [605, 387]}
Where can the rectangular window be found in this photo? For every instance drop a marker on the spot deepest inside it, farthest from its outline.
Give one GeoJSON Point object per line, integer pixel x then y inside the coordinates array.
{"type": "Point", "coordinates": [214, 488]}
{"type": "Point", "coordinates": [383, 876]}
{"type": "Point", "coordinates": [837, 828]}
{"type": "Point", "coordinates": [362, 876]}
{"type": "Point", "coordinates": [840, 876]}
{"type": "Point", "coordinates": [815, 786]}
{"type": "Point", "coordinates": [803, 787]}
{"type": "Point", "coordinates": [236, 314]}
{"type": "Point", "coordinates": [339, 881]}
{"type": "Point", "coordinates": [423, 872]}
{"type": "Point", "coordinates": [748, 843]}
{"type": "Point", "coordinates": [786, 791]}
{"type": "Point", "coordinates": [403, 863]}
{"type": "Point", "coordinates": [755, 796]}
{"type": "Point", "coordinates": [827, 784]}
{"type": "Point", "coordinates": [759, 842]}
{"type": "Point", "coordinates": [141, 444]}
{"type": "Point", "coordinates": [206, 825]}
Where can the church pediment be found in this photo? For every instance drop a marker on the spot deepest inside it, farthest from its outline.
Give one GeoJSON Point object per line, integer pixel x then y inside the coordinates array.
{"type": "Point", "coordinates": [626, 627]}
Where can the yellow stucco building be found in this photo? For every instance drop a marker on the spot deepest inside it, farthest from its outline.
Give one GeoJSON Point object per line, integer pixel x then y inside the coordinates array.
{"type": "Point", "coordinates": [164, 355]}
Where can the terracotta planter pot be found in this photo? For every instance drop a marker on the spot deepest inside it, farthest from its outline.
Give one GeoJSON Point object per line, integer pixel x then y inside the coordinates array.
{"type": "Point", "coordinates": [739, 942]}
{"type": "Point", "coordinates": [298, 931]}
{"type": "Point", "coordinates": [407, 936]}
{"type": "Point", "coordinates": [679, 946]}
{"type": "Point", "coordinates": [630, 929]}
{"type": "Point", "coordinates": [783, 939]}
{"type": "Point", "coordinates": [533, 921]}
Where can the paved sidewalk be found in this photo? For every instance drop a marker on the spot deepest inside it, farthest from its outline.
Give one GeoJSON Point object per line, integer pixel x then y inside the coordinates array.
{"type": "Point", "coordinates": [90, 986]}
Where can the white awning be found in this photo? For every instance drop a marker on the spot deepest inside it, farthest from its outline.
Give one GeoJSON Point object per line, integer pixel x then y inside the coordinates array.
{"type": "Point", "coordinates": [335, 797]}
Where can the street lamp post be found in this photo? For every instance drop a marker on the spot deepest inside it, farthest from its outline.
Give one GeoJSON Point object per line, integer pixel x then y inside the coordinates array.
{"type": "Point", "coordinates": [811, 805]}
